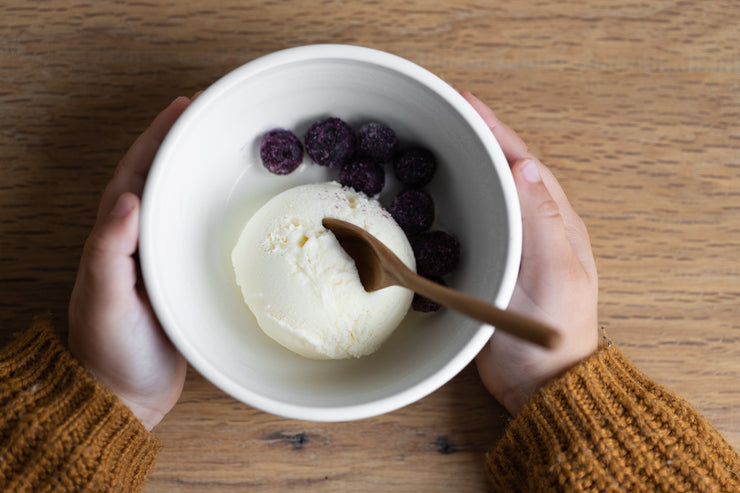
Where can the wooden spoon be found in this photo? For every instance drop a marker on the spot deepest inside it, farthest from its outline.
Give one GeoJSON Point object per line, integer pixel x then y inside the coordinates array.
{"type": "Point", "coordinates": [380, 268]}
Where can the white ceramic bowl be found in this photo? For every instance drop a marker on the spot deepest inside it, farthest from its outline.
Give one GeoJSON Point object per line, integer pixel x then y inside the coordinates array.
{"type": "Point", "coordinates": [207, 180]}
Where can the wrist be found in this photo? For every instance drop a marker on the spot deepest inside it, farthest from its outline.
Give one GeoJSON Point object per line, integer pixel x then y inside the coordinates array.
{"type": "Point", "coordinates": [149, 418]}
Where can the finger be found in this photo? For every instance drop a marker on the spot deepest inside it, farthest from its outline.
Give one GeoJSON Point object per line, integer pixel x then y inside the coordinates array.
{"type": "Point", "coordinates": [546, 249]}
{"type": "Point", "coordinates": [515, 150]}
{"type": "Point", "coordinates": [130, 174]}
{"type": "Point", "coordinates": [513, 146]}
{"type": "Point", "coordinates": [574, 226]}
{"type": "Point", "coordinates": [107, 268]}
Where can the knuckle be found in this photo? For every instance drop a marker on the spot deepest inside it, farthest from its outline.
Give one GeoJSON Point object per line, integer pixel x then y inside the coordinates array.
{"type": "Point", "coordinates": [95, 245]}
{"type": "Point", "coordinates": [547, 209]}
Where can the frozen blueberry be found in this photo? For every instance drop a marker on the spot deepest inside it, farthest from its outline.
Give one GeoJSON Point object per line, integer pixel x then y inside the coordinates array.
{"type": "Point", "coordinates": [330, 142]}
{"type": "Point", "coordinates": [415, 166]}
{"type": "Point", "coordinates": [437, 253]}
{"type": "Point", "coordinates": [423, 304]}
{"type": "Point", "coordinates": [363, 174]}
{"type": "Point", "coordinates": [413, 210]}
{"type": "Point", "coordinates": [378, 141]}
{"type": "Point", "coordinates": [281, 151]}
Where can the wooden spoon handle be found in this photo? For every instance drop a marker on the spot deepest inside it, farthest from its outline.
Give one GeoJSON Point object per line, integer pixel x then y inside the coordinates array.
{"type": "Point", "coordinates": [515, 324]}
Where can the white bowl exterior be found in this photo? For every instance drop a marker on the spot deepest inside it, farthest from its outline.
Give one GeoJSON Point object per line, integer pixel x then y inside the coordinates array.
{"type": "Point", "coordinates": [207, 180]}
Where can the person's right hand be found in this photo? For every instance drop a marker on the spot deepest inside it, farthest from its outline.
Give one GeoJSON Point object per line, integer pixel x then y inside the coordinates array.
{"type": "Point", "coordinates": [557, 281]}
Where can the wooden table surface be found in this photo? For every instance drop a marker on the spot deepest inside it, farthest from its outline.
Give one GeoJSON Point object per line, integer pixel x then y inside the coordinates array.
{"type": "Point", "coordinates": [635, 106]}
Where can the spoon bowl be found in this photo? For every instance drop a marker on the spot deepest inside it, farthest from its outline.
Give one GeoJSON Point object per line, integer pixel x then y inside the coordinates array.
{"type": "Point", "coordinates": [378, 268]}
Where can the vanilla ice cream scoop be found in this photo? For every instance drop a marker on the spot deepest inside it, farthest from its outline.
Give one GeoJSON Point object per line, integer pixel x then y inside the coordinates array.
{"type": "Point", "coordinates": [300, 284]}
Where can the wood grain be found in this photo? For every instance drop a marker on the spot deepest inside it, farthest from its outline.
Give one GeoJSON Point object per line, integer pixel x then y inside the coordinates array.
{"type": "Point", "coordinates": [634, 106]}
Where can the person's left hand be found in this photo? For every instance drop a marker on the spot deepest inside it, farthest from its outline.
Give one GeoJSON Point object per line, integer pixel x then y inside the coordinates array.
{"type": "Point", "coordinates": [113, 331]}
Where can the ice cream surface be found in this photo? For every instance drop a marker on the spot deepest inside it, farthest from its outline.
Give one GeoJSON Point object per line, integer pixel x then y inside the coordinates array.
{"type": "Point", "coordinates": [303, 288]}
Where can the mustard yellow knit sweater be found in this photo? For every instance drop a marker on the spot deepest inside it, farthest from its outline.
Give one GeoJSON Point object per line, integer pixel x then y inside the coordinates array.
{"type": "Point", "coordinates": [603, 426]}
{"type": "Point", "coordinates": [59, 429]}
{"type": "Point", "coordinates": [606, 427]}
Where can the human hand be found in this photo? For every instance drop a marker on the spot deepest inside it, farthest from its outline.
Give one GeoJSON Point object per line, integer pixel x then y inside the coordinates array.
{"type": "Point", "coordinates": [113, 331]}
{"type": "Point", "coordinates": [557, 282]}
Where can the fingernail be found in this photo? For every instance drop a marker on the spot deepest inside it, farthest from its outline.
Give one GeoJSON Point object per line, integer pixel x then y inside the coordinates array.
{"type": "Point", "coordinates": [530, 171]}
{"type": "Point", "coordinates": [124, 205]}
{"type": "Point", "coordinates": [469, 95]}
{"type": "Point", "coordinates": [179, 100]}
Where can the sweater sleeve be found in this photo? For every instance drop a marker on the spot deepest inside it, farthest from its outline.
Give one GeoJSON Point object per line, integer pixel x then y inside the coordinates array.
{"type": "Point", "coordinates": [59, 429]}
{"type": "Point", "coordinates": [605, 426]}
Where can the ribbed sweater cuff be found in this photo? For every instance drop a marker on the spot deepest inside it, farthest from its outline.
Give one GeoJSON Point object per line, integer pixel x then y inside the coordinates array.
{"type": "Point", "coordinates": [605, 426]}
{"type": "Point", "coordinates": [59, 429]}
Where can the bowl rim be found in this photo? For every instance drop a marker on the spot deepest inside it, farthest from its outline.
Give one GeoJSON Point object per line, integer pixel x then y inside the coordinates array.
{"type": "Point", "coordinates": [443, 374]}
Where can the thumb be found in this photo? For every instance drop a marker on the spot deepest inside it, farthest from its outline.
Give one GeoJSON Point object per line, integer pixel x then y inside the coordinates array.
{"type": "Point", "coordinates": [107, 261]}
{"type": "Point", "coordinates": [546, 249]}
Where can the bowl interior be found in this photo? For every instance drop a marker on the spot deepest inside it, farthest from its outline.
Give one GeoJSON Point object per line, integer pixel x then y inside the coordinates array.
{"type": "Point", "coordinates": [207, 181]}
